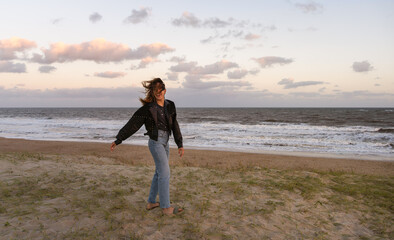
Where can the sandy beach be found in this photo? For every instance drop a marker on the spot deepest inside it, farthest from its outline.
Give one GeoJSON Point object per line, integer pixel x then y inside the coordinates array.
{"type": "Point", "coordinates": [73, 190]}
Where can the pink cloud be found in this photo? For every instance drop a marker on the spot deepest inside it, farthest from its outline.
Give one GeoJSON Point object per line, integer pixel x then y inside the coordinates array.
{"type": "Point", "coordinates": [109, 74]}
{"type": "Point", "coordinates": [145, 62]}
{"type": "Point", "coordinates": [9, 47]}
{"type": "Point", "coordinates": [100, 51]}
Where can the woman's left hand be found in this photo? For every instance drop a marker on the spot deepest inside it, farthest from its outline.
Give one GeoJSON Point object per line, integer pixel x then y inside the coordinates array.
{"type": "Point", "coordinates": [113, 145]}
{"type": "Point", "coordinates": [181, 151]}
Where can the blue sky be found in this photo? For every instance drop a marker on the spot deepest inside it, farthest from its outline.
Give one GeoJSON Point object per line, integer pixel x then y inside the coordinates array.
{"type": "Point", "coordinates": [209, 53]}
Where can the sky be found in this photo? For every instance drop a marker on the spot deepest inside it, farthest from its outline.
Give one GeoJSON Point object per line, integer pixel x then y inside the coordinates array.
{"type": "Point", "coordinates": [262, 53]}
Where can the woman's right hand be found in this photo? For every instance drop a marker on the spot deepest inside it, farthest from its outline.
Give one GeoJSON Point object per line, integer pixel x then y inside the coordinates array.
{"type": "Point", "coordinates": [113, 145]}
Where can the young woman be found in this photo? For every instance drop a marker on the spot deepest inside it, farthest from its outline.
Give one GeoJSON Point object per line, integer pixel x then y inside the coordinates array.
{"type": "Point", "coordinates": [159, 116]}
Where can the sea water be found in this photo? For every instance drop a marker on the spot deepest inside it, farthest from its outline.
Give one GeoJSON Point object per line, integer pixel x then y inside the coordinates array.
{"type": "Point", "coordinates": [362, 132]}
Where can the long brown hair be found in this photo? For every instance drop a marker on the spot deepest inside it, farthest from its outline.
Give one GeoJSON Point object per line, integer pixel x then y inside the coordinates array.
{"type": "Point", "coordinates": [150, 87]}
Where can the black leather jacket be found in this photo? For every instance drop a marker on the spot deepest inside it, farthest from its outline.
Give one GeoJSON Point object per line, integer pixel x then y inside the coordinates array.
{"type": "Point", "coordinates": [148, 115]}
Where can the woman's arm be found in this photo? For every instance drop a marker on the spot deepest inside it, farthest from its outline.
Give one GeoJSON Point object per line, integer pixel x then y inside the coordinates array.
{"type": "Point", "coordinates": [176, 131]}
{"type": "Point", "coordinates": [132, 126]}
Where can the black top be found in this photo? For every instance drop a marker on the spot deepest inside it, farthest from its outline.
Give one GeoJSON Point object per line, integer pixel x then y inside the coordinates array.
{"type": "Point", "coordinates": [162, 123]}
{"type": "Point", "coordinates": [147, 115]}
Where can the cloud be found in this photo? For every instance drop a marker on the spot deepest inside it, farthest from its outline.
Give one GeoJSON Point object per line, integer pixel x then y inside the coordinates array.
{"type": "Point", "coordinates": [109, 74]}
{"type": "Point", "coordinates": [269, 28]}
{"type": "Point", "coordinates": [138, 16]}
{"type": "Point", "coordinates": [95, 17]}
{"type": "Point", "coordinates": [145, 62]}
{"type": "Point", "coordinates": [308, 29]}
{"type": "Point", "coordinates": [172, 76]}
{"type": "Point", "coordinates": [57, 21]}
{"type": "Point", "coordinates": [363, 93]}
{"type": "Point", "coordinates": [10, 67]}
{"type": "Point", "coordinates": [188, 97]}
{"type": "Point", "coordinates": [196, 73]}
{"type": "Point", "coordinates": [233, 33]}
{"type": "Point", "coordinates": [46, 69]}
{"type": "Point", "coordinates": [209, 39]}
{"type": "Point", "coordinates": [177, 59]}
{"type": "Point", "coordinates": [183, 67]}
{"type": "Point", "coordinates": [195, 82]}
{"type": "Point", "coordinates": [237, 74]}
{"type": "Point", "coordinates": [150, 50]}
{"type": "Point", "coordinates": [251, 37]}
{"type": "Point", "coordinates": [223, 29]}
{"type": "Point", "coordinates": [98, 50]}
{"type": "Point", "coordinates": [238, 34]}
{"type": "Point", "coordinates": [363, 66]}
{"type": "Point", "coordinates": [10, 47]}
{"type": "Point", "coordinates": [272, 60]}
{"type": "Point", "coordinates": [69, 97]}
{"type": "Point", "coordinates": [309, 7]}
{"type": "Point", "coordinates": [254, 71]}
{"type": "Point", "coordinates": [216, 23]}
{"type": "Point", "coordinates": [289, 83]}
{"type": "Point", "coordinates": [188, 20]}
{"type": "Point", "coordinates": [214, 68]}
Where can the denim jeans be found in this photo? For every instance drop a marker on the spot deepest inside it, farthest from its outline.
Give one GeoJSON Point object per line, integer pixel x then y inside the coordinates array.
{"type": "Point", "coordinates": [161, 179]}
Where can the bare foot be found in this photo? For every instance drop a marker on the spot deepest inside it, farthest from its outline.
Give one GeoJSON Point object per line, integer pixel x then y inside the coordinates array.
{"type": "Point", "coordinates": [151, 206]}
{"type": "Point", "coordinates": [172, 211]}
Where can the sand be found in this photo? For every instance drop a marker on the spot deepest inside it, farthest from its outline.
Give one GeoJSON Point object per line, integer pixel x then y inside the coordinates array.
{"type": "Point", "coordinates": [71, 190]}
{"type": "Point", "coordinates": [132, 154]}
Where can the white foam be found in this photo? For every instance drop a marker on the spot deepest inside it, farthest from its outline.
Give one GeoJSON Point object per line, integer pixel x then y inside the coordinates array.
{"type": "Point", "coordinates": [266, 136]}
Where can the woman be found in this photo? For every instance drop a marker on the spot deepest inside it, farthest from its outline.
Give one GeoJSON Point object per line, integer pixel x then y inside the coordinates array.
{"type": "Point", "coordinates": [159, 116]}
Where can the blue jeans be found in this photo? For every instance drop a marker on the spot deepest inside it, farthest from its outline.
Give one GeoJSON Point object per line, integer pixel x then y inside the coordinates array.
{"type": "Point", "coordinates": [160, 150]}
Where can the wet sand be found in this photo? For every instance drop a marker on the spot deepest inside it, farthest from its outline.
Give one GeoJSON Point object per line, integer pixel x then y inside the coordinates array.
{"type": "Point", "coordinates": [132, 154]}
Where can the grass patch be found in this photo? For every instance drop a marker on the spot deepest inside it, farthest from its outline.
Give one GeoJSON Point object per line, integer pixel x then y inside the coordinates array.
{"type": "Point", "coordinates": [370, 194]}
{"type": "Point", "coordinates": [191, 231]}
{"type": "Point", "coordinates": [237, 203]}
{"type": "Point", "coordinates": [20, 195]}
{"type": "Point", "coordinates": [376, 192]}
{"type": "Point", "coordinates": [306, 186]}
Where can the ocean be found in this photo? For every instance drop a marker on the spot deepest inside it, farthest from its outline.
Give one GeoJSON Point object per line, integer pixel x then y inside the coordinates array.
{"type": "Point", "coordinates": [359, 132]}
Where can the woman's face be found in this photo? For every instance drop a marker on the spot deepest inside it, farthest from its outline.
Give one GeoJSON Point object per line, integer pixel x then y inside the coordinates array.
{"type": "Point", "coordinates": [159, 94]}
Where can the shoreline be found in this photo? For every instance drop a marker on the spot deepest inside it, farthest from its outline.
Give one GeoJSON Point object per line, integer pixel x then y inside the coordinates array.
{"type": "Point", "coordinates": [139, 155]}
{"type": "Point", "coordinates": [304, 154]}
{"type": "Point", "coordinates": [346, 156]}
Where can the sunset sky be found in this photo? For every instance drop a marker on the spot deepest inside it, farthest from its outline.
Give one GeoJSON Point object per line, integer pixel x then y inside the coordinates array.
{"type": "Point", "coordinates": [277, 53]}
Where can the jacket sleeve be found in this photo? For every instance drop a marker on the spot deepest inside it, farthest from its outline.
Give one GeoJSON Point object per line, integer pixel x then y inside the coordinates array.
{"type": "Point", "coordinates": [176, 131]}
{"type": "Point", "coordinates": [132, 126]}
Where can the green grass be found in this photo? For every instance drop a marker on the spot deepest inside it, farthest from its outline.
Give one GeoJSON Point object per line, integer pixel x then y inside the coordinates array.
{"type": "Point", "coordinates": [370, 194]}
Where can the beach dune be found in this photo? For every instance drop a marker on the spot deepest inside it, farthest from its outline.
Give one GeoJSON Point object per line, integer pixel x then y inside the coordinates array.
{"type": "Point", "coordinates": [81, 190]}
